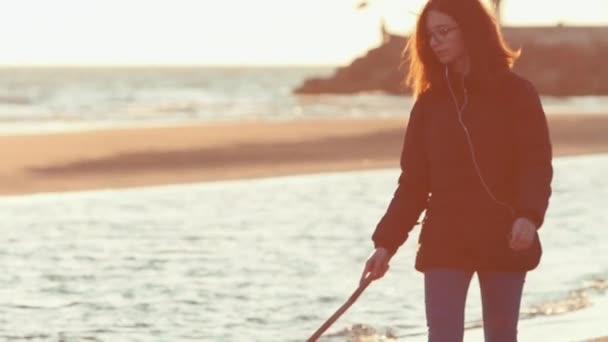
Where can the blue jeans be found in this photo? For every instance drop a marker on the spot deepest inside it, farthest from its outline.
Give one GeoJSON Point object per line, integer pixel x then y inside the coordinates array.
{"type": "Point", "coordinates": [445, 297]}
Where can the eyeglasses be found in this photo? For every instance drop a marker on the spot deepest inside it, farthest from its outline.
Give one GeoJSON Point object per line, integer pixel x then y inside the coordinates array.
{"type": "Point", "coordinates": [442, 33]}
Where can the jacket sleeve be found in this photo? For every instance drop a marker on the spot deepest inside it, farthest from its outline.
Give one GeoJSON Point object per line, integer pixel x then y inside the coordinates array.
{"type": "Point", "coordinates": [534, 150]}
{"type": "Point", "coordinates": [410, 197]}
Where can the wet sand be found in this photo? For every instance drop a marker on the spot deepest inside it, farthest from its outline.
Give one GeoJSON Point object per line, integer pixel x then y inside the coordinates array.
{"type": "Point", "coordinates": [131, 157]}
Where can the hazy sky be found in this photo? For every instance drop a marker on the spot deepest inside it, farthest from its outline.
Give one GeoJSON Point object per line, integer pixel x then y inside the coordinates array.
{"type": "Point", "coordinates": [228, 32]}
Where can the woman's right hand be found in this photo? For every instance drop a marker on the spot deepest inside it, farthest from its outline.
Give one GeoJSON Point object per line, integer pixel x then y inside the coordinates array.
{"type": "Point", "coordinates": [376, 265]}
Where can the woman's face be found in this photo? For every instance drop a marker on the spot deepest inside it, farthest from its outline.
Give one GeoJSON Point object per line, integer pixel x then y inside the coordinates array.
{"type": "Point", "coordinates": [445, 37]}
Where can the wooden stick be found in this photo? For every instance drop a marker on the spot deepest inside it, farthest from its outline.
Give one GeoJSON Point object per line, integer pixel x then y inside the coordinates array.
{"type": "Point", "coordinates": [342, 309]}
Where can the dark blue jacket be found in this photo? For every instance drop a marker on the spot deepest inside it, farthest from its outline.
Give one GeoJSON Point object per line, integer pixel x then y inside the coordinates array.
{"type": "Point", "coordinates": [464, 227]}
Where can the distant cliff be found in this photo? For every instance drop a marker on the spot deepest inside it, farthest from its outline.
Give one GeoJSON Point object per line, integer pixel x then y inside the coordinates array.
{"type": "Point", "coordinates": [559, 60]}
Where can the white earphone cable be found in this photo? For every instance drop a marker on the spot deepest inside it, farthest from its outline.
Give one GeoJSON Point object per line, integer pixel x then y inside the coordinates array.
{"type": "Point", "coordinates": [459, 111]}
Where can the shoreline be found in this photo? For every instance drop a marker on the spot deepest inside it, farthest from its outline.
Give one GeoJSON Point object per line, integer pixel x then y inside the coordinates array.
{"type": "Point", "coordinates": [134, 157]}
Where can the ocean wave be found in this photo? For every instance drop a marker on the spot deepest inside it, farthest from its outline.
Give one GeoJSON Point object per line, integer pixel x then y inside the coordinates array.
{"type": "Point", "coordinates": [15, 100]}
{"type": "Point", "coordinates": [572, 301]}
{"type": "Point", "coordinates": [361, 333]}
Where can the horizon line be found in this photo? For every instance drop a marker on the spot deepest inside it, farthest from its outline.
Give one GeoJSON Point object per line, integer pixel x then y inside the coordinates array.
{"type": "Point", "coordinates": [162, 65]}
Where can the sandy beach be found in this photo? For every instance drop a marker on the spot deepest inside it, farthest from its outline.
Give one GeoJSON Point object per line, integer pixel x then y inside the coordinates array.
{"type": "Point", "coordinates": [130, 157]}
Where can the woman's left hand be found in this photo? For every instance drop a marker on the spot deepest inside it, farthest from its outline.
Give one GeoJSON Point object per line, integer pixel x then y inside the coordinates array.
{"type": "Point", "coordinates": [522, 234]}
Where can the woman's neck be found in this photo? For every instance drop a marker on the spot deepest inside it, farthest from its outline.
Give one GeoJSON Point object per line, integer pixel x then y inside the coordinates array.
{"type": "Point", "coordinates": [461, 65]}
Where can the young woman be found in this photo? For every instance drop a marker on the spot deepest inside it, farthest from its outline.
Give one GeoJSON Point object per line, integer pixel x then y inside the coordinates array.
{"type": "Point", "coordinates": [477, 156]}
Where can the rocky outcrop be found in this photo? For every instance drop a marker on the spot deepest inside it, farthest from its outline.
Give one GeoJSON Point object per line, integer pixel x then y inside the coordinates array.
{"type": "Point", "coordinates": [560, 61]}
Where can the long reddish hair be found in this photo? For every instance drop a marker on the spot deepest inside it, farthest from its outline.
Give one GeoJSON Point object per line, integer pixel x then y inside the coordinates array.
{"type": "Point", "coordinates": [483, 41]}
